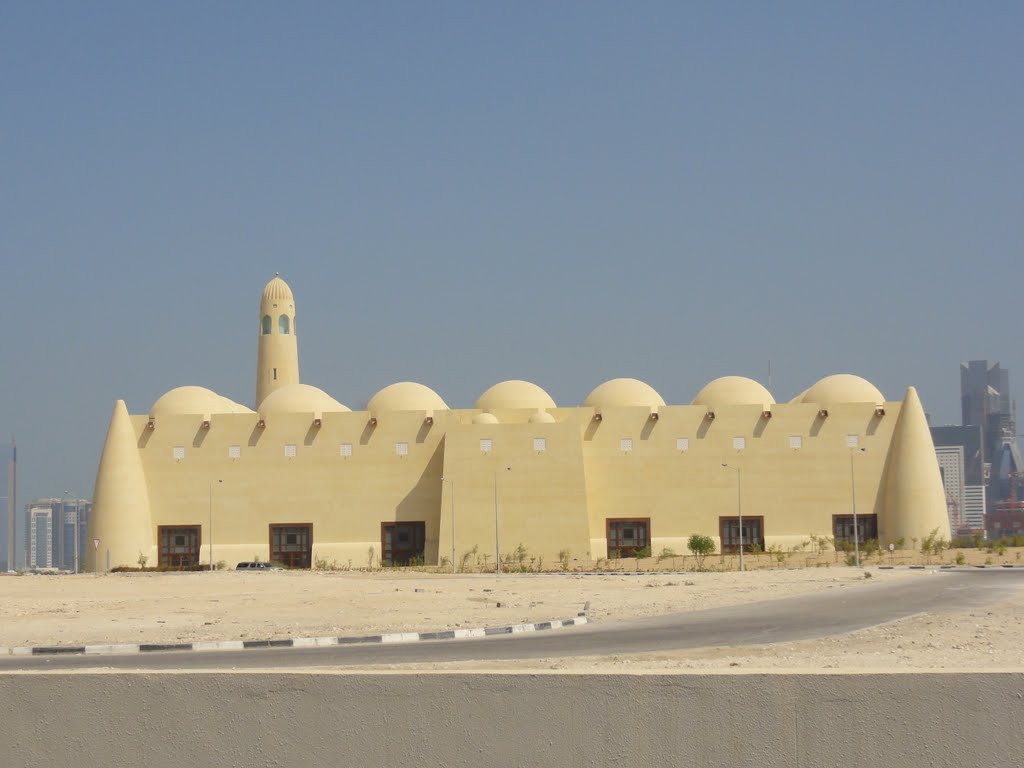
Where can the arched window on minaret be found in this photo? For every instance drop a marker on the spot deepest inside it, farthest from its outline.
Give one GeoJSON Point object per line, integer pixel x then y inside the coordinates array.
{"type": "Point", "coordinates": [267, 323]}
{"type": "Point", "coordinates": [282, 324]}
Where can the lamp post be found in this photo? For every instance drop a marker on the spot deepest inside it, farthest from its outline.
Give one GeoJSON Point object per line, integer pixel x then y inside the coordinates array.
{"type": "Point", "coordinates": [739, 505]}
{"type": "Point", "coordinates": [211, 521]}
{"type": "Point", "coordinates": [853, 499]}
{"type": "Point", "coordinates": [452, 484]}
{"type": "Point", "coordinates": [497, 540]}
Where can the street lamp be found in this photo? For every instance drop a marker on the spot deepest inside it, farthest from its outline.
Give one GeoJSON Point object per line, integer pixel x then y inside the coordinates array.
{"type": "Point", "coordinates": [452, 484]}
{"type": "Point", "coordinates": [739, 506]}
{"type": "Point", "coordinates": [497, 542]}
{"type": "Point", "coordinates": [853, 499]}
{"type": "Point", "coordinates": [211, 521]}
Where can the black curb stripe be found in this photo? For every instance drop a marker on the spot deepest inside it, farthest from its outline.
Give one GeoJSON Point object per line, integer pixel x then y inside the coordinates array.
{"type": "Point", "coordinates": [443, 635]}
{"type": "Point", "coordinates": [153, 647]}
{"type": "Point", "coordinates": [498, 631]}
{"type": "Point", "coordinates": [543, 625]}
{"type": "Point", "coordinates": [357, 640]}
{"type": "Point", "coordinates": [267, 643]}
{"type": "Point", "coordinates": [58, 649]}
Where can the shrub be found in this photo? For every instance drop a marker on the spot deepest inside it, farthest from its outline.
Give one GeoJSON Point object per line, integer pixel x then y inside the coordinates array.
{"type": "Point", "coordinates": [700, 546]}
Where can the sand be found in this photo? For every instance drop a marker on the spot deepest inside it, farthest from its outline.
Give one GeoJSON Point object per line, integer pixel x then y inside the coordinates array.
{"type": "Point", "coordinates": [226, 605]}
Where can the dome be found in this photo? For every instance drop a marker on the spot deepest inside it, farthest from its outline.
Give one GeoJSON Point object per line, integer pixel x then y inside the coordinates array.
{"type": "Point", "coordinates": [300, 398]}
{"type": "Point", "coordinates": [515, 394]}
{"type": "Point", "coordinates": [842, 388]}
{"type": "Point", "coordinates": [485, 418]}
{"type": "Point", "coordinates": [623, 392]}
{"type": "Point", "coordinates": [541, 417]}
{"type": "Point", "coordinates": [194, 400]}
{"type": "Point", "coordinates": [406, 396]}
{"type": "Point", "coordinates": [733, 390]}
{"type": "Point", "coordinates": [277, 290]}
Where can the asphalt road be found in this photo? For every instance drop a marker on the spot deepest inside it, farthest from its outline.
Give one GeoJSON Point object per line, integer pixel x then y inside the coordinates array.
{"type": "Point", "coordinates": [831, 612]}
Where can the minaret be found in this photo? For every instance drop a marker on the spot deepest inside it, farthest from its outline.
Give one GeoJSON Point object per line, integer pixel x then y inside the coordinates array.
{"type": "Point", "coordinates": [277, 360]}
{"type": "Point", "coordinates": [915, 500]}
{"type": "Point", "coordinates": [120, 518]}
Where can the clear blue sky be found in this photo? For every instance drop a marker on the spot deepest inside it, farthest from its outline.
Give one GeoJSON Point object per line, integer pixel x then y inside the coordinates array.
{"type": "Point", "coordinates": [460, 193]}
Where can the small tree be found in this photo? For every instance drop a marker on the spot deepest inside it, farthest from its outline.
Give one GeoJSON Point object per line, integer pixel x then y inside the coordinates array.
{"type": "Point", "coordinates": [142, 560]}
{"type": "Point", "coordinates": [700, 546]}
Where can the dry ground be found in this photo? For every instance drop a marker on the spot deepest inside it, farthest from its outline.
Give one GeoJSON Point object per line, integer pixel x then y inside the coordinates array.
{"type": "Point", "coordinates": [184, 607]}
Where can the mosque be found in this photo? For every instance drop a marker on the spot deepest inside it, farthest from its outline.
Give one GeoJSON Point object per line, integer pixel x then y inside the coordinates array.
{"type": "Point", "coordinates": [302, 479]}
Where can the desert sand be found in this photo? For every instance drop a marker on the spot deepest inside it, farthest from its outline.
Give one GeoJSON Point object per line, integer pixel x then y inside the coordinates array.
{"type": "Point", "coordinates": [226, 605]}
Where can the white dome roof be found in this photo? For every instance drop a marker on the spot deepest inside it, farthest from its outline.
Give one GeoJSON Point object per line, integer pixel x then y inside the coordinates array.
{"type": "Point", "coordinates": [733, 390]}
{"type": "Point", "coordinates": [194, 401]}
{"type": "Point", "coordinates": [514, 394]}
{"type": "Point", "coordinates": [300, 398]}
{"type": "Point", "coordinates": [623, 392]}
{"type": "Point", "coordinates": [541, 417]}
{"type": "Point", "coordinates": [406, 396]}
{"type": "Point", "coordinates": [485, 418]}
{"type": "Point", "coordinates": [842, 388]}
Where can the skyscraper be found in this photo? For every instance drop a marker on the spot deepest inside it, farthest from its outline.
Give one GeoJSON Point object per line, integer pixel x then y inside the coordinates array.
{"type": "Point", "coordinates": [985, 402]}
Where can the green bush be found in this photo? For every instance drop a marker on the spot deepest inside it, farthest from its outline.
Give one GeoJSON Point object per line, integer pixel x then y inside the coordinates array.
{"type": "Point", "coordinates": [700, 546]}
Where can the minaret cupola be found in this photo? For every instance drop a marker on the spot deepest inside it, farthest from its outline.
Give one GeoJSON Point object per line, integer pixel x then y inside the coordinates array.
{"type": "Point", "coordinates": [278, 353]}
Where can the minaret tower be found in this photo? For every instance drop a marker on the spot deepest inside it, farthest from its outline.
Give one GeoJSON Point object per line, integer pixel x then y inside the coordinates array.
{"type": "Point", "coordinates": [277, 360]}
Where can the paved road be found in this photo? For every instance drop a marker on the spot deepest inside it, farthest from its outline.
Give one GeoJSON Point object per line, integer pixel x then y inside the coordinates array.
{"type": "Point", "coordinates": [835, 611]}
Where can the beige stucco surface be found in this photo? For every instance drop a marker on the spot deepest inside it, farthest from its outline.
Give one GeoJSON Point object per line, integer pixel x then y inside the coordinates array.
{"type": "Point", "coordinates": [708, 720]}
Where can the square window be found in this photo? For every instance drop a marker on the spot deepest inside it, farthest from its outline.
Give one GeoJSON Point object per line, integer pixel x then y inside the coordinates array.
{"type": "Point", "coordinates": [486, 445]}
{"type": "Point", "coordinates": [346, 449]}
{"type": "Point", "coordinates": [401, 449]}
{"type": "Point", "coordinates": [852, 441]}
{"type": "Point", "coordinates": [540, 444]}
{"type": "Point", "coordinates": [179, 452]}
{"type": "Point", "coordinates": [179, 541]}
{"type": "Point", "coordinates": [739, 443]}
{"type": "Point", "coordinates": [291, 538]}
{"type": "Point", "coordinates": [234, 451]}
{"type": "Point", "coordinates": [626, 444]}
{"type": "Point", "coordinates": [289, 450]}
{"type": "Point", "coordinates": [796, 441]}
{"type": "Point", "coordinates": [682, 443]}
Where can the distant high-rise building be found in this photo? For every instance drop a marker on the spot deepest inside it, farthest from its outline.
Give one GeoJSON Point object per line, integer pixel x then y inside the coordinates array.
{"type": "Point", "coordinates": [986, 403]}
{"type": "Point", "coordinates": [50, 532]}
{"type": "Point", "coordinates": [964, 476]}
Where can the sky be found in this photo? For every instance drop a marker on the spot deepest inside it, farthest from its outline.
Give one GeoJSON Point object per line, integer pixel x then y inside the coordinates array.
{"type": "Point", "coordinates": [462, 193]}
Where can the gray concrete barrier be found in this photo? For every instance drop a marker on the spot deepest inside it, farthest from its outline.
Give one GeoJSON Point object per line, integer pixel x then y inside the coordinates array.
{"type": "Point", "coordinates": [362, 719]}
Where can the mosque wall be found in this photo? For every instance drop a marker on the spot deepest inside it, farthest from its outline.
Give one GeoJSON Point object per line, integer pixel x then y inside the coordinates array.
{"type": "Point", "coordinates": [515, 468]}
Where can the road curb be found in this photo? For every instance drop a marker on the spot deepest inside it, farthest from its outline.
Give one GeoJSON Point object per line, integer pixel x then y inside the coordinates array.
{"type": "Point", "coordinates": [293, 642]}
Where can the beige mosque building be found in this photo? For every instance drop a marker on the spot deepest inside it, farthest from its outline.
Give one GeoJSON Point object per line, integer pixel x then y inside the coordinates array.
{"type": "Point", "coordinates": [301, 479]}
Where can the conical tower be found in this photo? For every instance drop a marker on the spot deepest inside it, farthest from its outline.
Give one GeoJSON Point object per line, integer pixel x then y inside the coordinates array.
{"type": "Point", "coordinates": [120, 518]}
{"type": "Point", "coordinates": [915, 500]}
{"type": "Point", "coordinates": [277, 359]}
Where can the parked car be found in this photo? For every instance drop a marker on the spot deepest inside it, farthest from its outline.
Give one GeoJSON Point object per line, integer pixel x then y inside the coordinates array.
{"type": "Point", "coordinates": [257, 567]}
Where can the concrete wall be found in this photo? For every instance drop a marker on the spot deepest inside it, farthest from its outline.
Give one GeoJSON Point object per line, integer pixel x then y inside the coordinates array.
{"type": "Point", "coordinates": [252, 719]}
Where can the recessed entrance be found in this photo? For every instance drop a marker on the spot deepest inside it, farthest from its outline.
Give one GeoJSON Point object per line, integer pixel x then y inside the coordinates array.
{"type": "Point", "coordinates": [753, 534]}
{"type": "Point", "coordinates": [178, 546]}
{"type": "Point", "coordinates": [402, 543]}
{"type": "Point", "coordinates": [291, 546]}
{"type": "Point", "coordinates": [842, 529]}
{"type": "Point", "coordinates": [628, 535]}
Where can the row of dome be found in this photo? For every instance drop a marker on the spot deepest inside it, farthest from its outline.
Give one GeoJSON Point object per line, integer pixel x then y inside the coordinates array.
{"type": "Point", "coordinates": [517, 395]}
